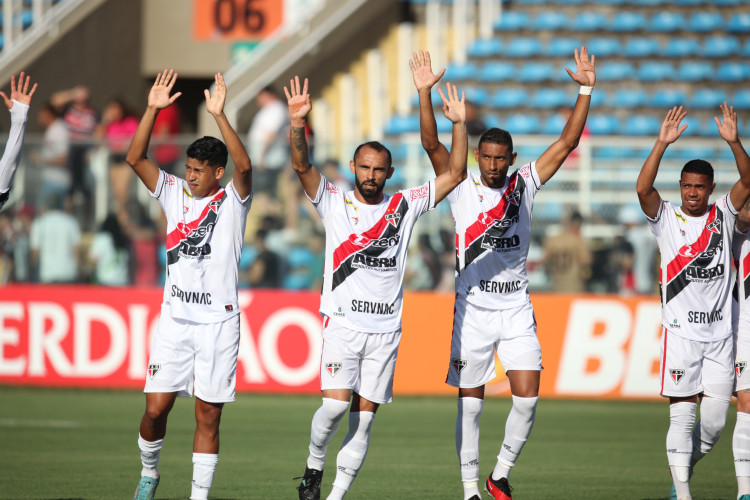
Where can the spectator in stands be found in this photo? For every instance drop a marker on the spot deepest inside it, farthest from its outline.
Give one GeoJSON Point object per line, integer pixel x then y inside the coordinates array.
{"type": "Point", "coordinates": [567, 258]}
{"type": "Point", "coordinates": [141, 231]}
{"type": "Point", "coordinates": [167, 127]}
{"type": "Point", "coordinates": [22, 244]}
{"type": "Point", "coordinates": [109, 254]}
{"type": "Point", "coordinates": [265, 270]}
{"type": "Point", "coordinates": [423, 270]}
{"type": "Point", "coordinates": [645, 255]}
{"type": "Point", "coordinates": [268, 140]}
{"type": "Point", "coordinates": [55, 240]}
{"type": "Point", "coordinates": [55, 176]}
{"type": "Point", "coordinates": [118, 126]}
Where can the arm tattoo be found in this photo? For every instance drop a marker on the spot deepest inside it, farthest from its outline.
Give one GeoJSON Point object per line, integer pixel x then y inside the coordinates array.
{"type": "Point", "coordinates": [299, 143]}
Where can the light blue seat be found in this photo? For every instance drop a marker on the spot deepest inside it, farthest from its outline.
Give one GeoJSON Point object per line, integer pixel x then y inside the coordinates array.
{"type": "Point", "coordinates": [637, 47]}
{"type": "Point", "coordinates": [589, 21]}
{"type": "Point", "coordinates": [508, 98]}
{"type": "Point", "coordinates": [478, 95]}
{"type": "Point", "coordinates": [481, 48]}
{"type": "Point", "coordinates": [553, 125]}
{"type": "Point", "coordinates": [562, 47]}
{"type": "Point", "coordinates": [649, 3]}
{"type": "Point", "coordinates": [610, 71]}
{"type": "Point", "coordinates": [667, 21]}
{"type": "Point", "coordinates": [707, 98]}
{"type": "Point", "coordinates": [681, 47]}
{"type": "Point", "coordinates": [745, 50]}
{"type": "Point", "coordinates": [627, 21]}
{"type": "Point", "coordinates": [522, 123]}
{"type": "Point", "coordinates": [666, 98]}
{"type": "Point", "coordinates": [741, 99]}
{"type": "Point", "coordinates": [459, 72]}
{"type": "Point", "coordinates": [720, 46]}
{"type": "Point", "coordinates": [496, 71]}
{"type": "Point", "coordinates": [613, 152]}
{"type": "Point", "coordinates": [550, 20]}
{"type": "Point", "coordinates": [692, 153]}
{"type": "Point", "coordinates": [299, 257]}
{"type": "Point", "coordinates": [739, 22]}
{"type": "Point", "coordinates": [640, 124]}
{"type": "Point", "coordinates": [402, 125]}
{"type": "Point", "coordinates": [627, 98]}
{"type": "Point", "coordinates": [653, 71]}
{"type": "Point", "coordinates": [689, 3]}
{"type": "Point", "coordinates": [727, 3]}
{"type": "Point", "coordinates": [705, 21]}
{"type": "Point", "coordinates": [512, 20]}
{"type": "Point", "coordinates": [604, 46]}
{"type": "Point", "coordinates": [695, 126]}
{"type": "Point", "coordinates": [492, 121]}
{"type": "Point", "coordinates": [532, 72]}
{"type": "Point", "coordinates": [601, 124]}
{"type": "Point", "coordinates": [444, 125]}
{"type": "Point", "coordinates": [695, 71]}
{"type": "Point", "coordinates": [597, 98]}
{"type": "Point", "coordinates": [732, 71]}
{"type": "Point", "coordinates": [523, 47]}
{"type": "Point", "coordinates": [547, 98]}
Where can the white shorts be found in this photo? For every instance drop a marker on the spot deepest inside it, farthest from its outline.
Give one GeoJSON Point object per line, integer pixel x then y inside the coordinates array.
{"type": "Point", "coordinates": [742, 356]}
{"type": "Point", "coordinates": [359, 361]}
{"type": "Point", "coordinates": [479, 332]}
{"type": "Point", "coordinates": [200, 356]}
{"type": "Point", "coordinates": [689, 367]}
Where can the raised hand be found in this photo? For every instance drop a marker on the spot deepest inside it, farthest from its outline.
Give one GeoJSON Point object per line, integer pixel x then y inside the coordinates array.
{"type": "Point", "coordinates": [454, 108]}
{"type": "Point", "coordinates": [158, 96]}
{"type": "Point", "coordinates": [670, 127]}
{"type": "Point", "coordinates": [298, 100]}
{"type": "Point", "coordinates": [585, 73]}
{"type": "Point", "coordinates": [20, 93]}
{"type": "Point", "coordinates": [728, 124]}
{"type": "Point", "coordinates": [215, 103]}
{"type": "Point", "coordinates": [421, 70]}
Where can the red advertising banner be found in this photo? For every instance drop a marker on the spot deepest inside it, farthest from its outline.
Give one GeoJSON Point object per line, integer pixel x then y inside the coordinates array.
{"type": "Point", "coordinates": [85, 336]}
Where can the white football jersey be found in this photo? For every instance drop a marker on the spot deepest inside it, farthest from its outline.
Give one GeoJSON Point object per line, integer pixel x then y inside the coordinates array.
{"type": "Point", "coordinates": [696, 269]}
{"type": "Point", "coordinates": [493, 232]}
{"type": "Point", "coordinates": [201, 284]}
{"type": "Point", "coordinates": [741, 291]}
{"type": "Point", "coordinates": [366, 253]}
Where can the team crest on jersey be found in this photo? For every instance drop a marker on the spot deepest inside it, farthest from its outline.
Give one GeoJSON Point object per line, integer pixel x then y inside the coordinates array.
{"type": "Point", "coordinates": [514, 198]}
{"type": "Point", "coordinates": [228, 308]}
{"type": "Point", "coordinates": [739, 367]}
{"type": "Point", "coordinates": [214, 205]}
{"type": "Point", "coordinates": [356, 220]}
{"type": "Point", "coordinates": [680, 216]}
{"type": "Point", "coordinates": [153, 369]}
{"type": "Point", "coordinates": [333, 367]}
{"type": "Point", "coordinates": [714, 226]}
{"type": "Point", "coordinates": [331, 188]}
{"type": "Point", "coordinates": [458, 364]}
{"type": "Point", "coordinates": [676, 374]}
{"type": "Point", "coordinates": [393, 219]}
{"type": "Point", "coordinates": [169, 180]}
{"type": "Point", "coordinates": [185, 210]}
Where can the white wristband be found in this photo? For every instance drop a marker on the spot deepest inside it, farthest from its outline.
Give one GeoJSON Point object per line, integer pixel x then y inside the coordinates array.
{"type": "Point", "coordinates": [586, 90]}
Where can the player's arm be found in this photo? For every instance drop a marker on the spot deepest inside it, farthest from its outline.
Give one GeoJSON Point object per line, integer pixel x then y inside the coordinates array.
{"type": "Point", "coordinates": [728, 131]}
{"type": "Point", "coordinates": [585, 75]}
{"type": "Point", "coordinates": [424, 80]}
{"type": "Point", "coordinates": [299, 107]}
{"type": "Point", "coordinates": [670, 130]}
{"type": "Point", "coordinates": [743, 218]}
{"type": "Point", "coordinates": [242, 178]}
{"type": "Point", "coordinates": [158, 99]}
{"type": "Point", "coordinates": [455, 110]}
{"type": "Point", "coordinates": [18, 105]}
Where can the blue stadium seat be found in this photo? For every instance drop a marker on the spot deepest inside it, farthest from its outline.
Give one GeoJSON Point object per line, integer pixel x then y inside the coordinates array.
{"type": "Point", "coordinates": [597, 98]}
{"type": "Point", "coordinates": [604, 46]}
{"type": "Point", "coordinates": [707, 98]}
{"type": "Point", "coordinates": [652, 71]}
{"type": "Point", "coordinates": [613, 152]}
{"type": "Point", "coordinates": [641, 125]}
{"type": "Point", "coordinates": [550, 20]}
{"type": "Point", "coordinates": [535, 72]}
{"type": "Point", "coordinates": [546, 98]}
{"type": "Point", "coordinates": [727, 3]}
{"type": "Point", "coordinates": [681, 47]}
{"type": "Point", "coordinates": [666, 22]}
{"type": "Point", "coordinates": [496, 71]}
{"type": "Point", "coordinates": [612, 2]}
{"type": "Point", "coordinates": [615, 71]}
{"type": "Point", "coordinates": [589, 21]}
{"type": "Point", "coordinates": [745, 50]}
{"type": "Point", "coordinates": [521, 123]}
{"type": "Point", "coordinates": [512, 20]}
{"type": "Point", "coordinates": [695, 71]}
{"type": "Point", "coordinates": [402, 125]}
{"type": "Point", "coordinates": [688, 3]}
{"type": "Point", "coordinates": [459, 72]}
{"type": "Point", "coordinates": [478, 95]}
{"type": "Point", "coordinates": [741, 99]}
{"type": "Point", "coordinates": [687, 154]}
{"type": "Point", "coordinates": [705, 21]}
{"type": "Point", "coordinates": [603, 124]}
{"type": "Point", "coordinates": [508, 98]}
{"type": "Point", "coordinates": [571, 2]}
{"type": "Point", "coordinates": [444, 125]}
{"type": "Point", "coordinates": [485, 48]}
{"type": "Point", "coordinates": [553, 125]}
{"type": "Point", "coordinates": [492, 121]}
{"type": "Point", "coordinates": [649, 3]}
{"type": "Point", "coordinates": [739, 22]}
{"type": "Point", "coordinates": [626, 21]}
{"type": "Point", "coordinates": [720, 46]}
{"type": "Point", "coordinates": [523, 47]}
{"type": "Point", "coordinates": [641, 47]}
{"type": "Point", "coordinates": [733, 71]}
{"type": "Point", "coordinates": [666, 98]}
{"type": "Point", "coordinates": [627, 98]}
{"type": "Point", "coordinates": [562, 47]}
{"type": "Point", "coordinates": [695, 126]}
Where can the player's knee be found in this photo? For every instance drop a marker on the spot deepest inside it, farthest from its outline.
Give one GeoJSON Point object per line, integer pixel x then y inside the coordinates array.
{"type": "Point", "coordinates": [156, 413]}
{"type": "Point", "coordinates": [333, 409]}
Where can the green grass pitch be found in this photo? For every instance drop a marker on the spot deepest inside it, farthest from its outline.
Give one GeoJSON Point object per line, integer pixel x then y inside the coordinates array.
{"type": "Point", "coordinates": [75, 444]}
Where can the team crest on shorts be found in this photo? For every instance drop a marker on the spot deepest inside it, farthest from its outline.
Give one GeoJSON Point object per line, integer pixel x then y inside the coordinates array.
{"type": "Point", "coordinates": [739, 367]}
{"type": "Point", "coordinates": [333, 367]}
{"type": "Point", "coordinates": [458, 364]}
{"type": "Point", "coordinates": [153, 369]}
{"type": "Point", "coordinates": [676, 374]}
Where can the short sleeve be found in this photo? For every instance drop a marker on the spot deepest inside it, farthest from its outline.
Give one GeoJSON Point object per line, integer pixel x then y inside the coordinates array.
{"type": "Point", "coordinates": [422, 198]}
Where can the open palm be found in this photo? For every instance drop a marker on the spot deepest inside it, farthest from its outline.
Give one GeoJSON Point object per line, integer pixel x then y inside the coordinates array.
{"type": "Point", "coordinates": [215, 102]}
{"type": "Point", "coordinates": [298, 99]}
{"type": "Point", "coordinates": [453, 108]}
{"type": "Point", "coordinates": [19, 93]}
{"type": "Point", "coordinates": [421, 70]}
{"type": "Point", "coordinates": [728, 124]}
{"type": "Point", "coordinates": [585, 73]}
{"type": "Point", "coordinates": [670, 127]}
{"type": "Point", "coordinates": [158, 96]}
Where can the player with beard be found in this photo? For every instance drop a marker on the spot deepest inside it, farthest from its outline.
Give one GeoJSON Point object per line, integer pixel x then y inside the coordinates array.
{"type": "Point", "coordinates": [695, 241]}
{"type": "Point", "coordinates": [18, 105]}
{"type": "Point", "coordinates": [367, 235]}
{"type": "Point", "coordinates": [492, 310]}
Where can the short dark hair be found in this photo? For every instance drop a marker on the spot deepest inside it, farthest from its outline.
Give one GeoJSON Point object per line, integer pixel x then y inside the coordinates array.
{"type": "Point", "coordinates": [210, 150]}
{"type": "Point", "coordinates": [377, 147]}
{"type": "Point", "coordinates": [496, 136]}
{"type": "Point", "coordinates": [701, 167]}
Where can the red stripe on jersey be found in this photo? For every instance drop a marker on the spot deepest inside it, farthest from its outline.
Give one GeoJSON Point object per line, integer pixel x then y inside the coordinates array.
{"type": "Point", "coordinates": [663, 360]}
{"type": "Point", "coordinates": [182, 230]}
{"type": "Point", "coordinates": [746, 266]}
{"type": "Point", "coordinates": [485, 219]}
{"type": "Point", "coordinates": [347, 248]}
{"type": "Point", "coordinates": [680, 261]}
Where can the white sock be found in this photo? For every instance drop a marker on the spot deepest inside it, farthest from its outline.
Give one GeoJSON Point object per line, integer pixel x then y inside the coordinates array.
{"type": "Point", "coordinates": [708, 429]}
{"type": "Point", "coordinates": [324, 424]}
{"type": "Point", "coordinates": [517, 430]}
{"type": "Point", "coordinates": [467, 442]}
{"type": "Point", "coordinates": [150, 451]}
{"type": "Point", "coordinates": [204, 465]}
{"type": "Point", "coordinates": [353, 449]}
{"type": "Point", "coordinates": [741, 450]}
{"type": "Point", "coordinates": [680, 446]}
{"type": "Point", "coordinates": [336, 494]}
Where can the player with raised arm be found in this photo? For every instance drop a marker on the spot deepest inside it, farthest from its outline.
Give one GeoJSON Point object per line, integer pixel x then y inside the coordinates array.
{"type": "Point", "coordinates": [367, 235]}
{"type": "Point", "coordinates": [741, 329]}
{"type": "Point", "coordinates": [18, 105]}
{"type": "Point", "coordinates": [197, 337]}
{"type": "Point", "coordinates": [695, 241]}
{"type": "Point", "coordinates": [492, 310]}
